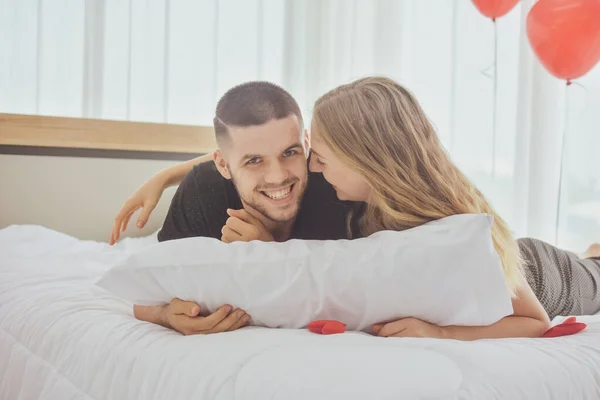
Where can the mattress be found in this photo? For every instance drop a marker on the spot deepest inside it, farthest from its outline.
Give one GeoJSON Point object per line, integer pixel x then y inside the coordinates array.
{"type": "Point", "coordinates": [62, 337]}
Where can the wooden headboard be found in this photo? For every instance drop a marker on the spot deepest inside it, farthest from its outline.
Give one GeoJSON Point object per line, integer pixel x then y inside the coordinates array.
{"type": "Point", "coordinates": [73, 174]}
{"type": "Point", "coordinates": [82, 133]}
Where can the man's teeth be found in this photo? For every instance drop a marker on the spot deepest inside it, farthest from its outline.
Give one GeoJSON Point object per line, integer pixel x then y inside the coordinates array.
{"type": "Point", "coordinates": [279, 194]}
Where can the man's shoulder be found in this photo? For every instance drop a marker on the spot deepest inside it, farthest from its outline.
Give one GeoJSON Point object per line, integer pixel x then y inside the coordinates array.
{"type": "Point", "coordinates": [199, 206]}
{"type": "Point", "coordinates": [206, 174]}
{"type": "Point", "coordinates": [210, 188]}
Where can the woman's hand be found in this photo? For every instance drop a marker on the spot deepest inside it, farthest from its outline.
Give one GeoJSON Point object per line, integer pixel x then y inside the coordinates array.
{"type": "Point", "coordinates": [409, 327]}
{"type": "Point", "coordinates": [149, 194]}
{"type": "Point", "coordinates": [146, 198]}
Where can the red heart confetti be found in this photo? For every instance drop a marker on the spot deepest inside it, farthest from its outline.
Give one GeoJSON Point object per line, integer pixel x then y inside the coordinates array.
{"type": "Point", "coordinates": [569, 326]}
{"type": "Point", "coordinates": [327, 327]}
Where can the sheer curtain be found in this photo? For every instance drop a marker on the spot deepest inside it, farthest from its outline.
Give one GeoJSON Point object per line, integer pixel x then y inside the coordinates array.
{"type": "Point", "coordinates": [170, 60]}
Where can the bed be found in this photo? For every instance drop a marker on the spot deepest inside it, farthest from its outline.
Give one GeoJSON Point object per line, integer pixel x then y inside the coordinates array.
{"type": "Point", "coordinates": [62, 337]}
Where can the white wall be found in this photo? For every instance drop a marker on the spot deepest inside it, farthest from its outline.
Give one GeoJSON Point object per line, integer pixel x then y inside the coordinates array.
{"type": "Point", "coordinates": [76, 196]}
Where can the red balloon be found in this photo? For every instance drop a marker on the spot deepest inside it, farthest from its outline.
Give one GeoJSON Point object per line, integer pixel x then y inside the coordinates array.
{"type": "Point", "coordinates": [565, 36]}
{"type": "Point", "coordinates": [494, 8]}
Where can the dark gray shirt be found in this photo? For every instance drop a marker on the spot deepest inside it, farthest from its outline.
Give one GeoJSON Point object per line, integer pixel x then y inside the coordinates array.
{"type": "Point", "coordinates": [199, 207]}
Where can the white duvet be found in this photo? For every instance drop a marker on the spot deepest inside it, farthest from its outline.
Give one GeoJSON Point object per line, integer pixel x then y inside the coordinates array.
{"type": "Point", "coordinates": [62, 337]}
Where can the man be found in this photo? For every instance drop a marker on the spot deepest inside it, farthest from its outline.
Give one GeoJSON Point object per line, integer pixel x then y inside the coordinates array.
{"type": "Point", "coordinates": [260, 166]}
{"type": "Point", "coordinates": [257, 188]}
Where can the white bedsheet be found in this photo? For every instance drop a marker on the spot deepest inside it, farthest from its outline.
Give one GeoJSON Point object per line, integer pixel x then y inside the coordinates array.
{"type": "Point", "coordinates": [61, 337]}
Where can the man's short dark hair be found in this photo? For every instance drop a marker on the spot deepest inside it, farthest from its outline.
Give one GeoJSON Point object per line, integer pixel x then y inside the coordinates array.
{"type": "Point", "coordinates": [251, 104]}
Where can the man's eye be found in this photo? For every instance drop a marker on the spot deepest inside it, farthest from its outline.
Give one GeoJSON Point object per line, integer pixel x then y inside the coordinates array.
{"type": "Point", "coordinates": [290, 153]}
{"type": "Point", "coordinates": [253, 161]}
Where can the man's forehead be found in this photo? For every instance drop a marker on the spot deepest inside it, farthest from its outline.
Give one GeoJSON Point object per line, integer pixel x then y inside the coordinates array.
{"type": "Point", "coordinates": [272, 136]}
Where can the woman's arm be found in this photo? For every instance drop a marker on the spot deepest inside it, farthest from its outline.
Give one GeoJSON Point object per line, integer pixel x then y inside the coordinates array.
{"type": "Point", "coordinates": [529, 320]}
{"type": "Point", "coordinates": [148, 195]}
{"type": "Point", "coordinates": [174, 175]}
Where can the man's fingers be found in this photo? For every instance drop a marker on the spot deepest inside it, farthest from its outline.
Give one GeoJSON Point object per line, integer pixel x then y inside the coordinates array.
{"type": "Point", "coordinates": [180, 307]}
{"type": "Point", "coordinates": [244, 215]}
{"type": "Point", "coordinates": [203, 325]}
{"type": "Point", "coordinates": [230, 235]}
{"type": "Point", "coordinates": [237, 225]}
{"type": "Point", "coordinates": [222, 320]}
{"type": "Point", "coordinates": [245, 320]}
{"type": "Point", "coordinates": [236, 213]}
{"type": "Point", "coordinates": [229, 322]}
{"type": "Point", "coordinates": [248, 226]}
{"type": "Point", "coordinates": [208, 323]}
{"type": "Point", "coordinates": [192, 310]}
{"type": "Point", "coordinates": [185, 325]}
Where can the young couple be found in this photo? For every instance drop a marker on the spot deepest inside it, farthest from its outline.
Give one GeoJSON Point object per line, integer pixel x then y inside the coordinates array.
{"type": "Point", "coordinates": [374, 163]}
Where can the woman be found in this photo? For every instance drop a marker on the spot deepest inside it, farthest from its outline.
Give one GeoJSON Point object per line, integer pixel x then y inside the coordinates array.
{"type": "Point", "coordinates": [374, 144]}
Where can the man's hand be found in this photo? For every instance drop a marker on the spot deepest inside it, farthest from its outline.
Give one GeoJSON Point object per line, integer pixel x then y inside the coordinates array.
{"type": "Point", "coordinates": [241, 226]}
{"type": "Point", "coordinates": [185, 318]}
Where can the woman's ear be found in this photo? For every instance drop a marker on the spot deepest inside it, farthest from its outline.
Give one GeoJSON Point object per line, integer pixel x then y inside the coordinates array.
{"type": "Point", "coordinates": [221, 164]}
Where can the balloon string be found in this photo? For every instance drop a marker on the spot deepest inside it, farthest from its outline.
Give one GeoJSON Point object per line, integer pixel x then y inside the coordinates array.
{"type": "Point", "coordinates": [585, 101]}
{"type": "Point", "coordinates": [561, 166]}
{"type": "Point", "coordinates": [581, 86]}
{"type": "Point", "coordinates": [495, 102]}
{"type": "Point", "coordinates": [562, 154]}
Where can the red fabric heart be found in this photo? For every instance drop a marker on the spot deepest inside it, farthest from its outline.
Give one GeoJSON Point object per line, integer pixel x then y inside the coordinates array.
{"type": "Point", "coordinates": [569, 326]}
{"type": "Point", "coordinates": [327, 327]}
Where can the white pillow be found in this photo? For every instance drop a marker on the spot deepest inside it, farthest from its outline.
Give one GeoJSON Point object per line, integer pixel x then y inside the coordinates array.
{"type": "Point", "coordinates": [446, 272]}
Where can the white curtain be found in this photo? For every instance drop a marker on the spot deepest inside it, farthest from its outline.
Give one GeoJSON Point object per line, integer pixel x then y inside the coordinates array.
{"type": "Point", "coordinates": [170, 61]}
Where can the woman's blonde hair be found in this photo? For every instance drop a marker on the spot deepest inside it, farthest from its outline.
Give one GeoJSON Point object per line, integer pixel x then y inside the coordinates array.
{"type": "Point", "coordinates": [377, 127]}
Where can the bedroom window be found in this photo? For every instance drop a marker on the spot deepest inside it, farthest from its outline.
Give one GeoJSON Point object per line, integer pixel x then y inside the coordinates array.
{"type": "Point", "coordinates": [169, 61]}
